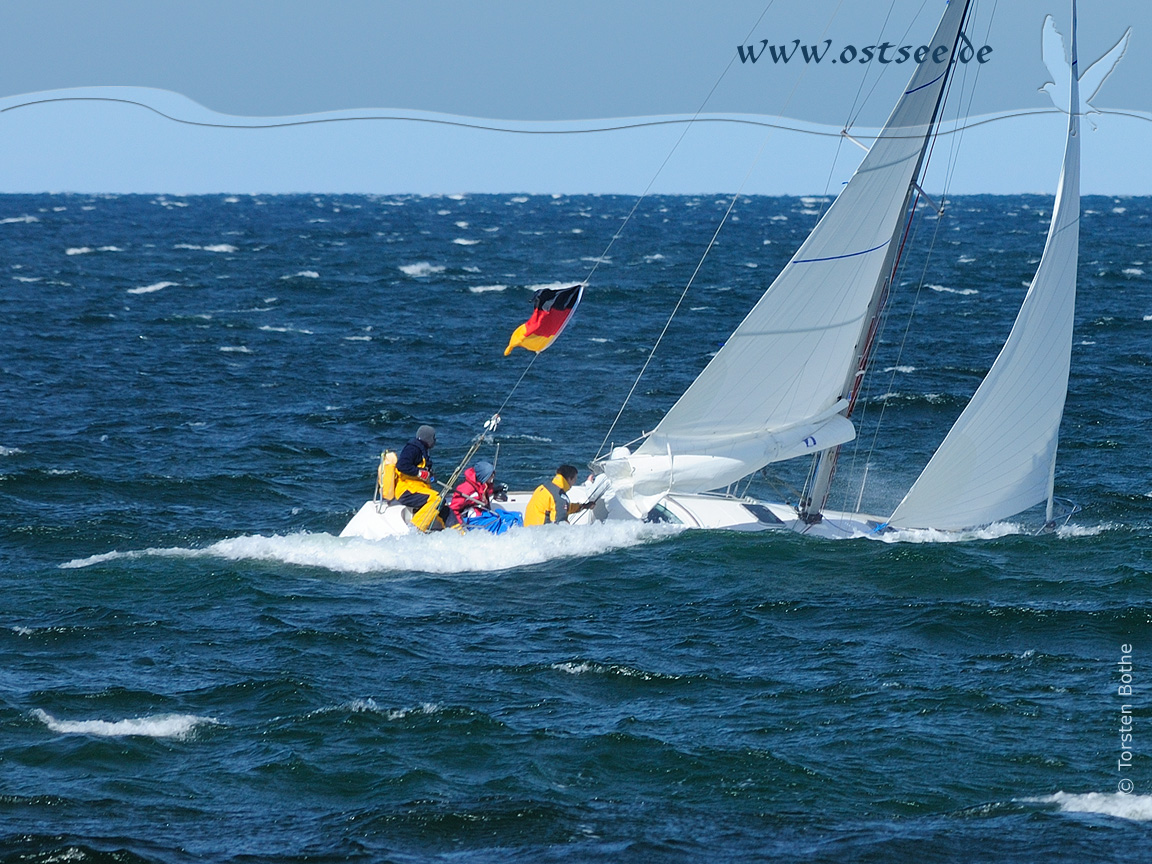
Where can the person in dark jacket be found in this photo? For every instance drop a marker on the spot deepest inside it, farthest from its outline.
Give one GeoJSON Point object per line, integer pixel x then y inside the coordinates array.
{"type": "Point", "coordinates": [414, 470]}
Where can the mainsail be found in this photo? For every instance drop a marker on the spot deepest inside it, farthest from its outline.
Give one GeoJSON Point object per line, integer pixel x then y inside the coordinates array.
{"type": "Point", "coordinates": [1000, 455]}
{"type": "Point", "coordinates": [780, 387]}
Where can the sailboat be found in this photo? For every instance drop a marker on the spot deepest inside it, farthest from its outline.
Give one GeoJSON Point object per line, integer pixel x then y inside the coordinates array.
{"type": "Point", "coordinates": [785, 383]}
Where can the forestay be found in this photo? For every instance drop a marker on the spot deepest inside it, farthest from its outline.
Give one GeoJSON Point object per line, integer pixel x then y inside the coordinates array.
{"type": "Point", "coordinates": [777, 388]}
{"type": "Point", "coordinates": [999, 457]}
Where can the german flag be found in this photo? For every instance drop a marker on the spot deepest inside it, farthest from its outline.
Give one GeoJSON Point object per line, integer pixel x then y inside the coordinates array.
{"type": "Point", "coordinates": [552, 309]}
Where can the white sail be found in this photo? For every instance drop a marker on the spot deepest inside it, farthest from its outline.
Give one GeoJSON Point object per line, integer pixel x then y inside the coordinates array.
{"type": "Point", "coordinates": [791, 363]}
{"type": "Point", "coordinates": [999, 456]}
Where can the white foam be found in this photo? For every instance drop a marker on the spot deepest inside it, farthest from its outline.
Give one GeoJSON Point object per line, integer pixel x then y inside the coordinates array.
{"type": "Point", "coordinates": [1123, 805]}
{"type": "Point", "coordinates": [109, 249]}
{"type": "Point", "coordinates": [654, 257]}
{"type": "Point", "coordinates": [155, 726]}
{"type": "Point", "coordinates": [961, 291]}
{"type": "Point", "coordinates": [932, 535]}
{"type": "Point", "coordinates": [269, 328]}
{"type": "Point", "coordinates": [519, 199]}
{"type": "Point", "coordinates": [554, 286]}
{"type": "Point", "coordinates": [11, 219]}
{"type": "Point", "coordinates": [357, 338]}
{"type": "Point", "coordinates": [903, 369]}
{"type": "Point", "coordinates": [421, 268]}
{"type": "Point", "coordinates": [148, 289]}
{"type": "Point", "coordinates": [965, 259]}
{"type": "Point", "coordinates": [27, 278]}
{"type": "Point", "coordinates": [1132, 271]}
{"type": "Point", "coordinates": [303, 274]}
{"type": "Point", "coordinates": [236, 349]}
{"type": "Point", "coordinates": [78, 250]}
{"type": "Point", "coordinates": [484, 289]}
{"type": "Point", "coordinates": [461, 241]}
{"type": "Point", "coordinates": [444, 552]}
{"type": "Point", "coordinates": [1084, 530]}
{"type": "Point", "coordinates": [9, 451]}
{"type": "Point", "coordinates": [217, 247]}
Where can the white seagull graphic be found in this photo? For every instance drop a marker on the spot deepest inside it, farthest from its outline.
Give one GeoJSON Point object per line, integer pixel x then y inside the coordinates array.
{"type": "Point", "coordinates": [1091, 79]}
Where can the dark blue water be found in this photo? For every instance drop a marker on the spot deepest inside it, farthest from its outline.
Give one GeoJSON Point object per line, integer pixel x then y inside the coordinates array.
{"type": "Point", "coordinates": [194, 667]}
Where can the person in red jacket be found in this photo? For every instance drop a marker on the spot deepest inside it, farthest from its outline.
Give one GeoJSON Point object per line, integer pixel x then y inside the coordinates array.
{"type": "Point", "coordinates": [474, 495]}
{"type": "Point", "coordinates": [472, 501]}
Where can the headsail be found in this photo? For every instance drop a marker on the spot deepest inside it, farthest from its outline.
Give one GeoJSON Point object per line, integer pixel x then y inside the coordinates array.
{"type": "Point", "coordinates": [778, 387]}
{"type": "Point", "coordinates": [999, 456]}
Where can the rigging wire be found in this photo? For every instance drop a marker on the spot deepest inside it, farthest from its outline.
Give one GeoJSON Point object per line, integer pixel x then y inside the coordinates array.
{"type": "Point", "coordinates": [647, 189]}
{"type": "Point", "coordinates": [951, 161]}
{"type": "Point", "coordinates": [719, 227]}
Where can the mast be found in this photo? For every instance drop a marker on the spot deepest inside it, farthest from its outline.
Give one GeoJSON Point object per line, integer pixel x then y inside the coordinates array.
{"type": "Point", "coordinates": [824, 462]}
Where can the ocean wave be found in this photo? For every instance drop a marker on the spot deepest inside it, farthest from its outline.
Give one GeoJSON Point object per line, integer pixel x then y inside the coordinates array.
{"type": "Point", "coordinates": [421, 268]}
{"type": "Point", "coordinates": [443, 552]}
{"type": "Point", "coordinates": [484, 289]}
{"type": "Point", "coordinates": [369, 706]}
{"type": "Point", "coordinates": [9, 451]}
{"type": "Point", "coordinates": [932, 535]}
{"type": "Point", "coordinates": [216, 247]}
{"type": "Point", "coordinates": [462, 241]}
{"type": "Point", "coordinates": [148, 289]}
{"type": "Point", "coordinates": [945, 290]}
{"type": "Point", "coordinates": [1123, 805]}
{"type": "Point", "coordinates": [154, 726]}
{"type": "Point", "coordinates": [12, 219]}
{"type": "Point", "coordinates": [303, 274]}
{"type": "Point", "coordinates": [585, 667]}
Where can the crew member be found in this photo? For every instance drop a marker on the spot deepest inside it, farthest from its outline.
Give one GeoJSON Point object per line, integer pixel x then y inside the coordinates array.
{"type": "Point", "coordinates": [414, 470]}
{"type": "Point", "coordinates": [474, 495]}
{"type": "Point", "coordinates": [549, 503]}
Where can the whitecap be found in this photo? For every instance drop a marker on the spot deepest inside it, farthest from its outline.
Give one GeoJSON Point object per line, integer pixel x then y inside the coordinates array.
{"type": "Point", "coordinates": [9, 451]}
{"type": "Point", "coordinates": [903, 369]}
{"type": "Point", "coordinates": [553, 286]}
{"type": "Point", "coordinates": [303, 274]}
{"type": "Point", "coordinates": [231, 199]}
{"type": "Point", "coordinates": [1119, 211]}
{"type": "Point", "coordinates": [484, 289]}
{"type": "Point", "coordinates": [1132, 271]}
{"type": "Point", "coordinates": [154, 726]}
{"type": "Point", "coordinates": [962, 291]}
{"type": "Point", "coordinates": [444, 552]}
{"type": "Point", "coordinates": [357, 338]}
{"type": "Point", "coordinates": [220, 247]}
{"type": "Point", "coordinates": [78, 250]}
{"type": "Point", "coordinates": [461, 224]}
{"type": "Point", "coordinates": [421, 268]}
{"type": "Point", "coordinates": [932, 535]}
{"type": "Point", "coordinates": [27, 278]}
{"type": "Point", "coordinates": [270, 329]}
{"type": "Point", "coordinates": [236, 349]}
{"type": "Point", "coordinates": [148, 289]}
{"type": "Point", "coordinates": [1122, 805]}
{"type": "Point", "coordinates": [1084, 530]}
{"type": "Point", "coordinates": [12, 219]}
{"type": "Point", "coordinates": [779, 218]}
{"type": "Point", "coordinates": [519, 199]}
{"type": "Point", "coordinates": [656, 257]}
{"type": "Point", "coordinates": [461, 241]}
{"type": "Point", "coordinates": [109, 249]}
{"type": "Point", "coordinates": [965, 259]}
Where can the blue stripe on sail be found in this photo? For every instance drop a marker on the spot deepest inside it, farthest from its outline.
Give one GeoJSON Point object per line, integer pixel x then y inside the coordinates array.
{"type": "Point", "coordinates": [922, 86]}
{"type": "Point", "coordinates": [838, 257]}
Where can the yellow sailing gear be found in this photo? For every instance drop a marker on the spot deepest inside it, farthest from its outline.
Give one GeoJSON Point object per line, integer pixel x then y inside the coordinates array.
{"type": "Point", "coordinates": [549, 503]}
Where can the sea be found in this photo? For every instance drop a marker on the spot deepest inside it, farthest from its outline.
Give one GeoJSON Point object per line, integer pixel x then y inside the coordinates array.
{"type": "Point", "coordinates": [195, 667]}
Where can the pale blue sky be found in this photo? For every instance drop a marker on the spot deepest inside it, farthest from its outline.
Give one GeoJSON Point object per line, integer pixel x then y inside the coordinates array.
{"type": "Point", "coordinates": [525, 63]}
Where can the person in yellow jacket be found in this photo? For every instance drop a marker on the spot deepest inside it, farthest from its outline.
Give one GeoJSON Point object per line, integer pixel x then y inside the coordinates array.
{"type": "Point", "coordinates": [414, 470]}
{"type": "Point", "coordinates": [549, 503]}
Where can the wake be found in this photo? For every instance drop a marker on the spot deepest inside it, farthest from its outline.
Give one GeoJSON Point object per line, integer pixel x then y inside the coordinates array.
{"type": "Point", "coordinates": [443, 552]}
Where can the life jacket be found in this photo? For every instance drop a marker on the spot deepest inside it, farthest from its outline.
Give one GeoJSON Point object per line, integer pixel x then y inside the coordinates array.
{"type": "Point", "coordinates": [471, 496]}
{"type": "Point", "coordinates": [549, 503]}
{"type": "Point", "coordinates": [414, 455]}
{"type": "Point", "coordinates": [386, 476]}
